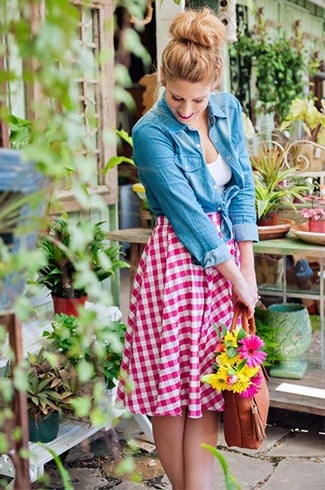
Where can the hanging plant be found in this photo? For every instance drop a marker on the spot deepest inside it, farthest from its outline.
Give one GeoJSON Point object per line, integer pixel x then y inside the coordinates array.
{"type": "Point", "coordinates": [280, 66]}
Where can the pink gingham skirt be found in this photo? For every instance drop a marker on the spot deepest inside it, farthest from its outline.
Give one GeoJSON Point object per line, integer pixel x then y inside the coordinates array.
{"type": "Point", "coordinates": [170, 338]}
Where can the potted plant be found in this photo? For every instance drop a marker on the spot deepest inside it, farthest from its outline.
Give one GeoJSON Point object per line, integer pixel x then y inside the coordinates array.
{"type": "Point", "coordinates": [278, 65]}
{"type": "Point", "coordinates": [316, 219]}
{"type": "Point", "coordinates": [52, 385]}
{"type": "Point", "coordinates": [102, 349]}
{"type": "Point", "coordinates": [307, 124]}
{"type": "Point", "coordinates": [275, 184]}
{"type": "Point", "coordinates": [64, 255]}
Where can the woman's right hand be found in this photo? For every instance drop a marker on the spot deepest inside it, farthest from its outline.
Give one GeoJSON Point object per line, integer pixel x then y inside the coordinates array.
{"type": "Point", "coordinates": [243, 291]}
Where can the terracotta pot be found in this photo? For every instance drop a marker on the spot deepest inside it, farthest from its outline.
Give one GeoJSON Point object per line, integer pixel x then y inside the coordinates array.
{"type": "Point", "coordinates": [69, 306]}
{"type": "Point", "coordinates": [316, 226]}
{"type": "Point", "coordinates": [270, 220]}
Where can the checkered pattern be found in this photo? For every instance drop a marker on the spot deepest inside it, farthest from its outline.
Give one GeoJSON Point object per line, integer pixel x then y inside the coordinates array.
{"type": "Point", "coordinates": [170, 339]}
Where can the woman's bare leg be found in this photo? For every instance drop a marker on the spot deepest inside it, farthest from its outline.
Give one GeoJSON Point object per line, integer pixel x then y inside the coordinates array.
{"type": "Point", "coordinates": [168, 434]}
{"type": "Point", "coordinates": [199, 461]}
{"type": "Point", "coordinates": [178, 441]}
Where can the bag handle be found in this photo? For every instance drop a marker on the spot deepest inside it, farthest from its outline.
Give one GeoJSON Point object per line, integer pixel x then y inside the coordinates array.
{"type": "Point", "coordinates": [248, 324]}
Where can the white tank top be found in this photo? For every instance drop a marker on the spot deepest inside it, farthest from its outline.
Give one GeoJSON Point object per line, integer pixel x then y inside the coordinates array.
{"type": "Point", "coordinates": [221, 172]}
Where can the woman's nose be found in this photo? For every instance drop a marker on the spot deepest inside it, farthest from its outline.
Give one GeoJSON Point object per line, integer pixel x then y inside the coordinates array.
{"type": "Point", "coordinates": [186, 108]}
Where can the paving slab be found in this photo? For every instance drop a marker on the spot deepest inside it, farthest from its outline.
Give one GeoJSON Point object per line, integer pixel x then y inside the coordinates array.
{"type": "Point", "coordinates": [249, 471]}
{"type": "Point", "coordinates": [300, 444]}
{"type": "Point", "coordinates": [297, 474]}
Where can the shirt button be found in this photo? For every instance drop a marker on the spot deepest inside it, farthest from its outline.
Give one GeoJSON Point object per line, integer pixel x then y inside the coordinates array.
{"type": "Point", "coordinates": [228, 157]}
{"type": "Point", "coordinates": [198, 145]}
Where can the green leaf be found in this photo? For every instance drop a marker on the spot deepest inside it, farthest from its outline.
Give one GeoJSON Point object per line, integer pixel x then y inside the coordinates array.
{"type": "Point", "coordinates": [230, 481]}
{"type": "Point", "coordinates": [132, 42]}
{"type": "Point", "coordinates": [66, 480]}
{"type": "Point", "coordinates": [241, 334]}
{"type": "Point", "coordinates": [231, 352]}
{"type": "Point", "coordinates": [82, 406]}
{"type": "Point", "coordinates": [242, 364]}
{"type": "Point", "coordinates": [116, 160]}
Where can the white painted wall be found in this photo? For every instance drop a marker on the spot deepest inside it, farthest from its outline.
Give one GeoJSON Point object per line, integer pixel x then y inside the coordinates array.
{"type": "Point", "coordinates": [165, 12]}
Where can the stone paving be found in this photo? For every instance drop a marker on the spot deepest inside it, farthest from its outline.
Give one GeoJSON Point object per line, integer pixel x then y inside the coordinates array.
{"type": "Point", "coordinates": [291, 458]}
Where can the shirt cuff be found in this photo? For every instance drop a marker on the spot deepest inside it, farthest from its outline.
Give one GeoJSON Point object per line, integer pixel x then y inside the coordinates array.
{"type": "Point", "coordinates": [216, 256]}
{"type": "Point", "coordinates": [245, 232]}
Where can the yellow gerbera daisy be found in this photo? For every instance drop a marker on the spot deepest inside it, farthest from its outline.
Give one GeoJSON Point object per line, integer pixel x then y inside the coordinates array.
{"type": "Point", "coordinates": [231, 338]}
{"type": "Point", "coordinates": [224, 360]}
{"type": "Point", "coordinates": [218, 381]}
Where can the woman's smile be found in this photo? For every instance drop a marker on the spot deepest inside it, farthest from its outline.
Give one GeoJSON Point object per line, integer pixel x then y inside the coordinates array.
{"type": "Point", "coordinates": [185, 117]}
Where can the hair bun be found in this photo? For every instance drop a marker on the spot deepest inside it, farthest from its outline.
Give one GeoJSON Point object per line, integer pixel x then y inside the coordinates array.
{"type": "Point", "coordinates": [198, 26]}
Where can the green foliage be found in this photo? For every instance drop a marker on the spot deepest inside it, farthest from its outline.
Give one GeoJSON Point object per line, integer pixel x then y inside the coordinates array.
{"type": "Point", "coordinates": [110, 365]}
{"type": "Point", "coordinates": [274, 183]}
{"type": "Point", "coordinates": [96, 350]}
{"type": "Point", "coordinates": [19, 132]}
{"type": "Point", "coordinates": [52, 383]}
{"type": "Point", "coordinates": [66, 246]}
{"type": "Point", "coordinates": [304, 111]}
{"type": "Point", "coordinates": [116, 160]}
{"type": "Point", "coordinates": [268, 335]}
{"type": "Point", "coordinates": [54, 62]}
{"type": "Point", "coordinates": [280, 66]}
{"type": "Point", "coordinates": [54, 136]}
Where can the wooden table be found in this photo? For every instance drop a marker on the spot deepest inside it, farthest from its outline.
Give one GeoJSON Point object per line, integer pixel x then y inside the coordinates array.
{"type": "Point", "coordinates": [137, 237]}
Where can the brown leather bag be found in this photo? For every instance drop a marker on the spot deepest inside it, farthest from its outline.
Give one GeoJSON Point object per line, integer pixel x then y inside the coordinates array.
{"type": "Point", "coordinates": [244, 419]}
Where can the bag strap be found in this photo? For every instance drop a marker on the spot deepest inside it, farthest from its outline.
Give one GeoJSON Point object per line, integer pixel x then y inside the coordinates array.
{"type": "Point", "coordinates": [248, 324]}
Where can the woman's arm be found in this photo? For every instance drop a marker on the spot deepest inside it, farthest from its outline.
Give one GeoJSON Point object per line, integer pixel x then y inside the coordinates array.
{"type": "Point", "coordinates": [242, 278]}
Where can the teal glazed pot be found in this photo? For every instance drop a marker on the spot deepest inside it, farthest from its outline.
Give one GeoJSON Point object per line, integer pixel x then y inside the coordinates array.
{"type": "Point", "coordinates": [292, 335]}
{"type": "Point", "coordinates": [43, 428]}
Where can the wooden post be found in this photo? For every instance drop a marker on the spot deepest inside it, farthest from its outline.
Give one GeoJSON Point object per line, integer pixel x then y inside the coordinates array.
{"type": "Point", "coordinates": [21, 464]}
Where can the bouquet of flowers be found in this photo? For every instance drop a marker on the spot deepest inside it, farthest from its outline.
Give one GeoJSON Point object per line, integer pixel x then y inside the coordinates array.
{"type": "Point", "coordinates": [239, 356]}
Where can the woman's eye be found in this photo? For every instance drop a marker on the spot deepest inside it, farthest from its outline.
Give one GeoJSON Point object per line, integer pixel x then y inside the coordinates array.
{"type": "Point", "coordinates": [176, 98]}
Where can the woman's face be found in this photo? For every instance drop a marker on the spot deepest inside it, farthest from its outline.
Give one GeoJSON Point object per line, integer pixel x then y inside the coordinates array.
{"type": "Point", "coordinates": [187, 100]}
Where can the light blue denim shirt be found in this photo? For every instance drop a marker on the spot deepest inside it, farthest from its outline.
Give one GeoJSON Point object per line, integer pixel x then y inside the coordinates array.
{"type": "Point", "coordinates": [178, 184]}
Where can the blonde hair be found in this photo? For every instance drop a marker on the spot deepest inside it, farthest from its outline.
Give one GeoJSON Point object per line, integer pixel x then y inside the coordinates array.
{"type": "Point", "coordinates": [194, 53]}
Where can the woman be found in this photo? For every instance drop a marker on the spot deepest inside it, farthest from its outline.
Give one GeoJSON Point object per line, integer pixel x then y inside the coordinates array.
{"type": "Point", "coordinates": [191, 157]}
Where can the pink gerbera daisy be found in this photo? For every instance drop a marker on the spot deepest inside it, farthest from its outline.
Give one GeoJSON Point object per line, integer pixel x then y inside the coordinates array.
{"type": "Point", "coordinates": [250, 349]}
{"type": "Point", "coordinates": [254, 386]}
